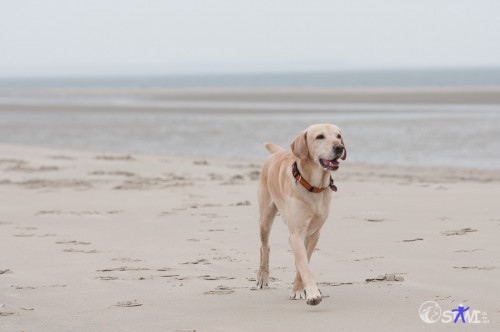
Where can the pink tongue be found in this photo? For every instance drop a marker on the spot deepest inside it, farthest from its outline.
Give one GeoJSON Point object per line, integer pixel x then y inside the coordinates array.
{"type": "Point", "coordinates": [331, 163]}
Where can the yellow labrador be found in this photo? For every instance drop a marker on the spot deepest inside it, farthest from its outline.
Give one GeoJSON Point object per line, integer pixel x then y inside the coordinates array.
{"type": "Point", "coordinates": [297, 183]}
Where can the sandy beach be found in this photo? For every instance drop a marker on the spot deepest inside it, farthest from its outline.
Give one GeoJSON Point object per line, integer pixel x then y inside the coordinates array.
{"type": "Point", "coordinates": [94, 241]}
{"type": "Point", "coordinates": [132, 141]}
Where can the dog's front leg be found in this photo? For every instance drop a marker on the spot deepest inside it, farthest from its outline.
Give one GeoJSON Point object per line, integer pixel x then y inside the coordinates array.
{"type": "Point", "coordinates": [298, 286]}
{"type": "Point", "coordinates": [312, 293]}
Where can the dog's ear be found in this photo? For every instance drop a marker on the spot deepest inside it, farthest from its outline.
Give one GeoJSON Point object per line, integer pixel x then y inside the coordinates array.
{"type": "Point", "coordinates": [344, 155]}
{"type": "Point", "coordinates": [299, 146]}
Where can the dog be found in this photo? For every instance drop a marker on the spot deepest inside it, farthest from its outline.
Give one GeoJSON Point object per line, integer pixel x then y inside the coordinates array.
{"type": "Point", "coordinates": [298, 185]}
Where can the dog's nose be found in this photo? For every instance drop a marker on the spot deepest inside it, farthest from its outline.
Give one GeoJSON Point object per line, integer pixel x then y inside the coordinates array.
{"type": "Point", "coordinates": [338, 150]}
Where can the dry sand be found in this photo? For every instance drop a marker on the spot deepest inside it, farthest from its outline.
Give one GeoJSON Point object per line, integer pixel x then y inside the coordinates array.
{"type": "Point", "coordinates": [108, 242]}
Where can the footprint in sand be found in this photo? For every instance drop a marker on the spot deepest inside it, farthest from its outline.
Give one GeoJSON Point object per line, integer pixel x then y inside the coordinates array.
{"type": "Point", "coordinates": [225, 258]}
{"type": "Point", "coordinates": [73, 242]}
{"type": "Point", "coordinates": [215, 177]}
{"type": "Point", "coordinates": [22, 287]}
{"type": "Point", "coordinates": [198, 261]}
{"type": "Point", "coordinates": [23, 235]}
{"type": "Point", "coordinates": [10, 161]}
{"type": "Point", "coordinates": [212, 215]}
{"type": "Point", "coordinates": [127, 304]}
{"type": "Point", "coordinates": [368, 258]}
{"type": "Point", "coordinates": [412, 240]}
{"type": "Point", "coordinates": [196, 206]}
{"type": "Point", "coordinates": [27, 228]}
{"type": "Point", "coordinates": [335, 284]}
{"type": "Point", "coordinates": [77, 213]}
{"type": "Point", "coordinates": [171, 276]}
{"type": "Point", "coordinates": [130, 272]}
{"type": "Point", "coordinates": [81, 251]}
{"type": "Point", "coordinates": [22, 167]}
{"type": "Point", "coordinates": [48, 235]}
{"type": "Point", "coordinates": [462, 231]}
{"type": "Point", "coordinates": [6, 313]}
{"type": "Point", "coordinates": [27, 309]}
{"type": "Point", "coordinates": [61, 157]}
{"type": "Point", "coordinates": [107, 278]}
{"type": "Point", "coordinates": [470, 250]}
{"type": "Point", "coordinates": [220, 290]}
{"type": "Point", "coordinates": [53, 184]}
{"type": "Point", "coordinates": [271, 279]}
{"type": "Point", "coordinates": [385, 277]}
{"type": "Point", "coordinates": [126, 259]}
{"type": "Point", "coordinates": [123, 268]}
{"type": "Point", "coordinates": [253, 175]}
{"type": "Point", "coordinates": [244, 203]}
{"type": "Point", "coordinates": [113, 173]}
{"type": "Point", "coordinates": [140, 183]}
{"type": "Point", "coordinates": [115, 157]}
{"type": "Point", "coordinates": [374, 219]}
{"type": "Point", "coordinates": [209, 277]}
{"type": "Point", "coordinates": [44, 212]}
{"type": "Point", "coordinates": [474, 267]}
{"type": "Point", "coordinates": [234, 180]}
{"type": "Point", "coordinates": [243, 166]}
{"type": "Point", "coordinates": [164, 269]}
{"type": "Point", "coordinates": [166, 213]}
{"type": "Point", "coordinates": [31, 287]}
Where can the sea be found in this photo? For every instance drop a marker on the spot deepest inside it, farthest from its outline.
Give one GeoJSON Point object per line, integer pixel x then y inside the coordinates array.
{"type": "Point", "coordinates": [458, 135]}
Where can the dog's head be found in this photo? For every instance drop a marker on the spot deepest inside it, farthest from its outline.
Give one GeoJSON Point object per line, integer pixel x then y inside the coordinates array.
{"type": "Point", "coordinates": [323, 144]}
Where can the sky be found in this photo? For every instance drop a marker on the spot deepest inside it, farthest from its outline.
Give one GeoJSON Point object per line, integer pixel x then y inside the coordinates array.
{"type": "Point", "coordinates": [109, 37]}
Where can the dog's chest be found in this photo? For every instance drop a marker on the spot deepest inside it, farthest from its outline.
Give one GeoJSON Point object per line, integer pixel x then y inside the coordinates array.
{"type": "Point", "coordinates": [318, 219]}
{"type": "Point", "coordinates": [319, 206]}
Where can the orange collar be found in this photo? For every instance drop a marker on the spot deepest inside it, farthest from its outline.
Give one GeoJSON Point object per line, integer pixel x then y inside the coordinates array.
{"type": "Point", "coordinates": [298, 177]}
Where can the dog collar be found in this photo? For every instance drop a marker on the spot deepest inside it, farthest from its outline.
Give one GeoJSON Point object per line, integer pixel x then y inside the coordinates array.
{"type": "Point", "coordinates": [298, 178]}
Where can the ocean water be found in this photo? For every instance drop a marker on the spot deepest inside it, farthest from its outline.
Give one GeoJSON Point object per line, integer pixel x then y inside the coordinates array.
{"type": "Point", "coordinates": [465, 138]}
{"type": "Point", "coordinates": [458, 135]}
{"type": "Point", "coordinates": [318, 79]}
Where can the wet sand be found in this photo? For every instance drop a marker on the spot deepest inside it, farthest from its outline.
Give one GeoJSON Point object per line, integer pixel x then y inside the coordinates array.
{"type": "Point", "coordinates": [254, 100]}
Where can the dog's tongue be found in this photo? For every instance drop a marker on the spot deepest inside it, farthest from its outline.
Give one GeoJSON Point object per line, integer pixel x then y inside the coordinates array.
{"type": "Point", "coordinates": [331, 163]}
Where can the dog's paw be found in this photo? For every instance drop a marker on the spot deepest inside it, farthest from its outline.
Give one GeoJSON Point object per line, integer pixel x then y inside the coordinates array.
{"type": "Point", "coordinates": [297, 294]}
{"type": "Point", "coordinates": [313, 296]}
{"type": "Point", "coordinates": [262, 280]}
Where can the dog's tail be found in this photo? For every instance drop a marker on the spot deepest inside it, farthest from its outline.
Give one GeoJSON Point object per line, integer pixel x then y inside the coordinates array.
{"type": "Point", "coordinates": [273, 148]}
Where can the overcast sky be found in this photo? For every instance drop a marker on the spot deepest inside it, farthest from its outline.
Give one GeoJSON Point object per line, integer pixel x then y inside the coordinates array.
{"type": "Point", "coordinates": [65, 37]}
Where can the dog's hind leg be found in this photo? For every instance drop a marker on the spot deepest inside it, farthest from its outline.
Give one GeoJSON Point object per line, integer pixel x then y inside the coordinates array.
{"type": "Point", "coordinates": [268, 211]}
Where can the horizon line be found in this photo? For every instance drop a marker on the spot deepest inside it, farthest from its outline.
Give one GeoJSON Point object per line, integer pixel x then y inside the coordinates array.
{"type": "Point", "coordinates": [214, 73]}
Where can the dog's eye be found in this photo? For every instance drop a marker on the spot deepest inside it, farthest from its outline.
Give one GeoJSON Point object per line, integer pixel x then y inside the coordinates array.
{"type": "Point", "coordinates": [320, 136]}
{"type": "Point", "coordinates": [339, 137]}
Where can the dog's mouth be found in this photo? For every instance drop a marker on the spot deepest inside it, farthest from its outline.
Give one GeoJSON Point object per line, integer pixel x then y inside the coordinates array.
{"type": "Point", "coordinates": [331, 165]}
